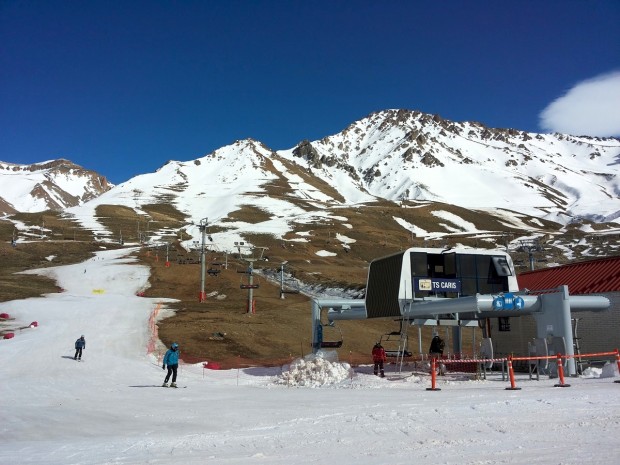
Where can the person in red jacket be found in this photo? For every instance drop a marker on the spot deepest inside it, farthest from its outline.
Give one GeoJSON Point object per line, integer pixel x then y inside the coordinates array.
{"type": "Point", "coordinates": [378, 357]}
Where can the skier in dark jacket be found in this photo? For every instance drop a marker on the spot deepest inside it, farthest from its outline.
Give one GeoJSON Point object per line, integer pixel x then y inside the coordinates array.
{"type": "Point", "coordinates": [171, 359]}
{"type": "Point", "coordinates": [437, 346]}
{"type": "Point", "coordinates": [378, 358]}
{"type": "Point", "coordinates": [80, 345]}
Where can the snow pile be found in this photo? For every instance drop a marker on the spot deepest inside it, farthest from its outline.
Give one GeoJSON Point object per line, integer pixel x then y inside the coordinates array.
{"type": "Point", "coordinates": [609, 370]}
{"type": "Point", "coordinates": [592, 372]}
{"type": "Point", "coordinates": [315, 372]}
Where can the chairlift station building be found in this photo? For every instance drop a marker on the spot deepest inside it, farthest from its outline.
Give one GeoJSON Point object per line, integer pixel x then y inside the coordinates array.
{"type": "Point", "coordinates": [462, 287]}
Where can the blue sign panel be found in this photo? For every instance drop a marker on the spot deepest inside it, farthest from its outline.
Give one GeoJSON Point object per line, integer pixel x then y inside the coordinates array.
{"type": "Point", "coordinates": [519, 303]}
{"type": "Point", "coordinates": [437, 285]}
{"type": "Point", "coordinates": [508, 301]}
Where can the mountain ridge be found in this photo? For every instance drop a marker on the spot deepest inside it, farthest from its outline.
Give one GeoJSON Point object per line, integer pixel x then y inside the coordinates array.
{"type": "Point", "coordinates": [421, 142]}
{"type": "Point", "coordinates": [49, 185]}
{"type": "Point", "coordinates": [406, 158]}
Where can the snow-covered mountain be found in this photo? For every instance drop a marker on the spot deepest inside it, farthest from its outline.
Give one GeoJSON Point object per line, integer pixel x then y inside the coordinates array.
{"type": "Point", "coordinates": [396, 155]}
{"type": "Point", "coordinates": [51, 185]}
{"type": "Point", "coordinates": [407, 155]}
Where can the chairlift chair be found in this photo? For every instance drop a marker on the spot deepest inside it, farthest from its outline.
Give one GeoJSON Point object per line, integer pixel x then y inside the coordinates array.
{"type": "Point", "coordinates": [395, 345]}
{"type": "Point", "coordinates": [332, 344]}
{"type": "Point", "coordinates": [247, 285]}
{"type": "Point", "coordinates": [290, 287]}
{"type": "Point", "coordinates": [214, 269]}
{"type": "Point", "coordinates": [290, 291]}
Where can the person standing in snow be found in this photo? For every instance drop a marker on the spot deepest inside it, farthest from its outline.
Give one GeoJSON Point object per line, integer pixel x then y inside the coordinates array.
{"type": "Point", "coordinates": [378, 358]}
{"type": "Point", "coordinates": [80, 345]}
{"type": "Point", "coordinates": [171, 359]}
{"type": "Point", "coordinates": [437, 346]}
{"type": "Point", "coordinates": [436, 352]}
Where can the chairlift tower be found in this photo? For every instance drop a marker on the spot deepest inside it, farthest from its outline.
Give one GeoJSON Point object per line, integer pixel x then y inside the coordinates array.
{"type": "Point", "coordinates": [530, 246]}
{"type": "Point", "coordinates": [203, 230]}
{"type": "Point", "coordinates": [506, 236]}
{"type": "Point", "coordinates": [250, 286]}
{"type": "Point", "coordinates": [282, 279]}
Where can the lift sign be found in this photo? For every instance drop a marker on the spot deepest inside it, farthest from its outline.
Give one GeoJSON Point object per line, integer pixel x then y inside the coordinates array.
{"type": "Point", "coordinates": [508, 302]}
{"type": "Point", "coordinates": [437, 285]}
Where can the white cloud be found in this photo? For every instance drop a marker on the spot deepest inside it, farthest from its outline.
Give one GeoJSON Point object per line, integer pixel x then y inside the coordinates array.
{"type": "Point", "coordinates": [590, 108]}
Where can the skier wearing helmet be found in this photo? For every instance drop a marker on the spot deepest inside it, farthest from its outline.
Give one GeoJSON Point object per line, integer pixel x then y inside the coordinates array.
{"type": "Point", "coordinates": [80, 345]}
{"type": "Point", "coordinates": [171, 359]}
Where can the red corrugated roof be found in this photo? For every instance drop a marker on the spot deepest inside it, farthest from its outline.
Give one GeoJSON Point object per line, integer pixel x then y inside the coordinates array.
{"type": "Point", "coordinates": [589, 277]}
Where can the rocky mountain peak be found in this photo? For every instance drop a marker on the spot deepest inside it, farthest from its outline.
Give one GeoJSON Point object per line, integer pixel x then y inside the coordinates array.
{"type": "Point", "coordinates": [51, 185]}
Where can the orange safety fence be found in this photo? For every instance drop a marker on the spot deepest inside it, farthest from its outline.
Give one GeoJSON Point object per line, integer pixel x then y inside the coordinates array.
{"type": "Point", "coordinates": [150, 346]}
{"type": "Point", "coordinates": [471, 360]}
{"type": "Point", "coordinates": [458, 362]}
{"type": "Point", "coordinates": [466, 365]}
{"type": "Point", "coordinates": [510, 359]}
{"type": "Point", "coordinates": [553, 357]}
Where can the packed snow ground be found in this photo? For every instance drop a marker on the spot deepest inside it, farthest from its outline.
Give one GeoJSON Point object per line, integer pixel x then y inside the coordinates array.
{"type": "Point", "coordinates": [110, 408]}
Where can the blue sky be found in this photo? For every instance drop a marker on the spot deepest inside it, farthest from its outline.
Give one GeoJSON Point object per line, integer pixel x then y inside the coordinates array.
{"type": "Point", "coordinates": [123, 87]}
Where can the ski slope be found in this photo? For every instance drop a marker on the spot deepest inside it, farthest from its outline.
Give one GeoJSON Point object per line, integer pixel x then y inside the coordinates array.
{"type": "Point", "coordinates": [110, 408]}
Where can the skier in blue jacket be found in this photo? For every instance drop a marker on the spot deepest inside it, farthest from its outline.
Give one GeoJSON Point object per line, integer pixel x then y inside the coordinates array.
{"type": "Point", "coordinates": [171, 359]}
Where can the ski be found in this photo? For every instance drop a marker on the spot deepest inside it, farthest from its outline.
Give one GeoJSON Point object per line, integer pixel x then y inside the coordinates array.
{"type": "Point", "coordinates": [153, 386]}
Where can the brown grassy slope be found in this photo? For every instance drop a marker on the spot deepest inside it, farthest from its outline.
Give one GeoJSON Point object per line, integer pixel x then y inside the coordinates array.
{"type": "Point", "coordinates": [48, 225]}
{"type": "Point", "coordinates": [222, 330]}
{"type": "Point", "coordinates": [280, 329]}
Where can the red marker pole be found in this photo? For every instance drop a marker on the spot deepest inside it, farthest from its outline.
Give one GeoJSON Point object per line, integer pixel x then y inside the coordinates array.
{"type": "Point", "coordinates": [511, 374]}
{"type": "Point", "coordinates": [561, 373]}
{"type": "Point", "coordinates": [618, 362]}
{"type": "Point", "coordinates": [433, 376]}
